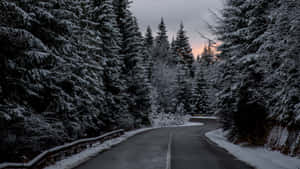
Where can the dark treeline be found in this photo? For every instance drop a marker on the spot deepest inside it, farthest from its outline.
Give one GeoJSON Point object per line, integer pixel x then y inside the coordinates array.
{"type": "Point", "coordinates": [69, 69]}
{"type": "Point", "coordinates": [72, 69]}
{"type": "Point", "coordinates": [259, 69]}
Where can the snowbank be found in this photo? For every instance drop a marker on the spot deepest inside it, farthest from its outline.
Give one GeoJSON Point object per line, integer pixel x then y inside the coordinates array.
{"type": "Point", "coordinates": [204, 117]}
{"type": "Point", "coordinates": [188, 124]}
{"type": "Point", "coordinates": [259, 157]}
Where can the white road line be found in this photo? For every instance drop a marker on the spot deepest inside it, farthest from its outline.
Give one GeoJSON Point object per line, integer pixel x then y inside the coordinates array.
{"type": "Point", "coordinates": [168, 166]}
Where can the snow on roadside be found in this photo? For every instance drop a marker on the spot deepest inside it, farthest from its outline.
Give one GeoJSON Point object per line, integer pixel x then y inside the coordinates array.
{"type": "Point", "coordinates": [204, 117]}
{"type": "Point", "coordinates": [77, 159]}
{"type": "Point", "coordinates": [259, 157]}
{"type": "Point", "coordinates": [188, 124]}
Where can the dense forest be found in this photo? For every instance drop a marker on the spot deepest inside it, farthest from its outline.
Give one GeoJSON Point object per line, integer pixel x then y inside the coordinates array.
{"type": "Point", "coordinates": [73, 69]}
{"type": "Point", "coordinates": [259, 71]}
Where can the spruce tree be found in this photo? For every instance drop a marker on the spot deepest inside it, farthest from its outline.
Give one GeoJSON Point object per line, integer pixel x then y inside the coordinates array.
{"type": "Point", "coordinates": [280, 50]}
{"type": "Point", "coordinates": [184, 49]}
{"type": "Point", "coordinates": [103, 14]}
{"type": "Point", "coordinates": [183, 88]}
{"type": "Point", "coordinates": [138, 82]}
{"type": "Point", "coordinates": [162, 38]}
{"type": "Point", "coordinates": [200, 97]}
{"type": "Point", "coordinates": [231, 30]}
{"type": "Point", "coordinates": [148, 55]}
{"type": "Point", "coordinates": [38, 71]}
{"type": "Point", "coordinates": [161, 45]}
{"type": "Point", "coordinates": [241, 33]}
{"type": "Point", "coordinates": [149, 40]}
{"type": "Point", "coordinates": [174, 58]}
{"type": "Point", "coordinates": [134, 56]}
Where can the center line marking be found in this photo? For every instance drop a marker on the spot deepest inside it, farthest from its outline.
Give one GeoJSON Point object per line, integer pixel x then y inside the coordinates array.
{"type": "Point", "coordinates": [168, 166]}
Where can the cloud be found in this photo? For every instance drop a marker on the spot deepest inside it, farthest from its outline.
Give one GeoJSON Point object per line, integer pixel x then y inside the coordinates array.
{"type": "Point", "coordinates": [191, 12]}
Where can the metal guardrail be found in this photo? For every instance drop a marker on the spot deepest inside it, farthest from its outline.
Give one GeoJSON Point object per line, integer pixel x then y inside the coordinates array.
{"type": "Point", "coordinates": [57, 153]}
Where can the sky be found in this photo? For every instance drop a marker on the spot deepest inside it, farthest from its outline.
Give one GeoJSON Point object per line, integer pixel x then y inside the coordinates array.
{"type": "Point", "coordinates": [193, 13]}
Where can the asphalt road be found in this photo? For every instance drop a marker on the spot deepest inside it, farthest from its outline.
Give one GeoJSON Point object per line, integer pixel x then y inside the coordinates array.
{"type": "Point", "coordinates": [169, 148]}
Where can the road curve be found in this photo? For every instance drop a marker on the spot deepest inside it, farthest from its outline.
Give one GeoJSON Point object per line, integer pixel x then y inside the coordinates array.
{"type": "Point", "coordinates": [168, 148]}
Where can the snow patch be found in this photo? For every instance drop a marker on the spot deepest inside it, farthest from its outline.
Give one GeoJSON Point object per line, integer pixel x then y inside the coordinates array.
{"type": "Point", "coordinates": [187, 124]}
{"type": "Point", "coordinates": [259, 157]}
{"type": "Point", "coordinates": [205, 117]}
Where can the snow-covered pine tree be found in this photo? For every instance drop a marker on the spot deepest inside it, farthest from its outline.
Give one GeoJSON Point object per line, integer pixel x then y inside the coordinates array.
{"type": "Point", "coordinates": [184, 50]}
{"type": "Point", "coordinates": [134, 54]}
{"type": "Point", "coordinates": [35, 91]}
{"type": "Point", "coordinates": [231, 30]}
{"type": "Point", "coordinates": [200, 98]}
{"type": "Point", "coordinates": [103, 13]}
{"type": "Point", "coordinates": [148, 55]}
{"type": "Point", "coordinates": [58, 58]}
{"type": "Point", "coordinates": [161, 45]}
{"type": "Point", "coordinates": [161, 39]}
{"type": "Point", "coordinates": [139, 88]}
{"type": "Point", "coordinates": [174, 58]}
{"type": "Point", "coordinates": [280, 50]}
{"type": "Point", "coordinates": [143, 75]}
{"type": "Point", "coordinates": [149, 40]}
{"type": "Point", "coordinates": [183, 89]}
{"type": "Point", "coordinates": [88, 71]}
{"type": "Point", "coordinates": [60, 74]}
{"type": "Point", "coordinates": [241, 31]}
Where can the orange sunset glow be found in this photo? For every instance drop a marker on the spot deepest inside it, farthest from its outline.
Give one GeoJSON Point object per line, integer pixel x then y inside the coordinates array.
{"type": "Point", "coordinates": [199, 48]}
{"type": "Point", "coordinates": [198, 51]}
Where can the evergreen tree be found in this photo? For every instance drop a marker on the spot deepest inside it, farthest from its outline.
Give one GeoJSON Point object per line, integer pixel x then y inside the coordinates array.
{"type": "Point", "coordinates": [232, 29]}
{"type": "Point", "coordinates": [183, 87]}
{"type": "Point", "coordinates": [134, 55]}
{"type": "Point", "coordinates": [124, 21]}
{"type": "Point", "coordinates": [54, 76]}
{"type": "Point", "coordinates": [148, 48]}
{"type": "Point", "coordinates": [103, 14]}
{"type": "Point", "coordinates": [184, 49]}
{"type": "Point", "coordinates": [174, 58]}
{"type": "Point", "coordinates": [244, 103]}
{"type": "Point", "coordinates": [149, 40]}
{"type": "Point", "coordinates": [161, 45]}
{"type": "Point", "coordinates": [200, 97]}
{"type": "Point", "coordinates": [280, 50]}
{"type": "Point", "coordinates": [139, 86]}
{"type": "Point", "coordinates": [162, 38]}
